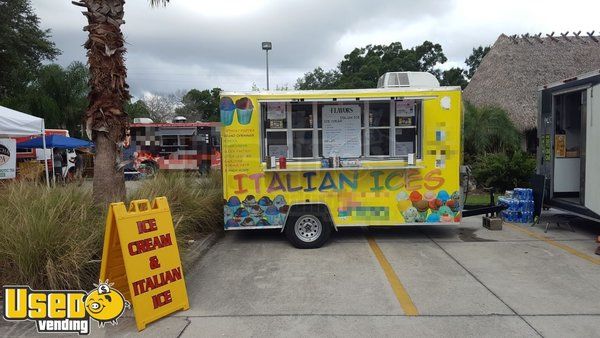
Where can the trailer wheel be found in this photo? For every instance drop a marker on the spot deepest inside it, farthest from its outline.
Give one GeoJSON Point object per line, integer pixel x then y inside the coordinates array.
{"type": "Point", "coordinates": [308, 230]}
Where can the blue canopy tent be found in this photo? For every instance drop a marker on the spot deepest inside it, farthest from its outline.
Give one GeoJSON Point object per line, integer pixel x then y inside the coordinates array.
{"type": "Point", "coordinates": [54, 141]}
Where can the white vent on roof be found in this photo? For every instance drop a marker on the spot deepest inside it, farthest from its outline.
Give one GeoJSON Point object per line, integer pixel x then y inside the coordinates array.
{"type": "Point", "coordinates": [407, 79]}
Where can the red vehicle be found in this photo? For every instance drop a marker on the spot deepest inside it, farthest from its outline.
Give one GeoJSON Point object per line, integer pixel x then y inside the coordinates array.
{"type": "Point", "coordinates": [151, 146]}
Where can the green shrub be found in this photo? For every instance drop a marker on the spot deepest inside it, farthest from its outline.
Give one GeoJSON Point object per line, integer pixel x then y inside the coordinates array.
{"type": "Point", "coordinates": [49, 238]}
{"type": "Point", "coordinates": [488, 130]}
{"type": "Point", "coordinates": [196, 202]}
{"type": "Point", "coordinates": [504, 172]}
{"type": "Point", "coordinates": [52, 238]}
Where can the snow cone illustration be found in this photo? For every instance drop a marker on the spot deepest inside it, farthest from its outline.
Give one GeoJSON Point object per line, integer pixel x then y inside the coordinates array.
{"type": "Point", "coordinates": [403, 201]}
{"type": "Point", "coordinates": [244, 110]}
{"type": "Point", "coordinates": [446, 214]}
{"type": "Point", "coordinates": [227, 108]}
{"type": "Point", "coordinates": [422, 207]}
{"type": "Point", "coordinates": [227, 213]}
{"type": "Point", "coordinates": [279, 201]}
{"type": "Point", "coordinates": [240, 214]}
{"type": "Point", "coordinates": [429, 195]}
{"type": "Point", "coordinates": [249, 202]}
{"type": "Point", "coordinates": [256, 211]}
{"type": "Point", "coordinates": [454, 202]}
{"type": "Point", "coordinates": [231, 224]}
{"type": "Point", "coordinates": [283, 212]}
{"type": "Point", "coordinates": [435, 204]}
{"type": "Point", "coordinates": [443, 196]}
{"type": "Point", "coordinates": [248, 222]}
{"type": "Point", "coordinates": [272, 215]}
{"type": "Point", "coordinates": [264, 202]}
{"type": "Point", "coordinates": [433, 218]}
{"type": "Point", "coordinates": [415, 196]}
{"type": "Point", "coordinates": [410, 215]}
{"type": "Point", "coordinates": [234, 203]}
{"type": "Point", "coordinates": [262, 223]}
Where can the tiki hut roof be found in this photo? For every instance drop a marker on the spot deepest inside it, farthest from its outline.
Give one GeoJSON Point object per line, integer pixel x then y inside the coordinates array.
{"type": "Point", "coordinates": [515, 67]}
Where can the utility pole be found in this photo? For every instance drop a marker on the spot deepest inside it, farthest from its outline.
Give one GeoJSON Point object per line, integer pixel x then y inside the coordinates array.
{"type": "Point", "coordinates": [267, 46]}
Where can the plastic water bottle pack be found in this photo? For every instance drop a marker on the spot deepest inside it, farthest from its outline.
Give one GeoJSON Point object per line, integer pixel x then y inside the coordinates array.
{"type": "Point", "coordinates": [519, 205]}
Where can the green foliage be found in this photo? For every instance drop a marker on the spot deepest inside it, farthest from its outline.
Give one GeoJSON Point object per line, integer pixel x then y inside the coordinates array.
{"type": "Point", "coordinates": [200, 105]}
{"type": "Point", "coordinates": [362, 67]}
{"type": "Point", "coordinates": [504, 171]}
{"type": "Point", "coordinates": [196, 202]}
{"type": "Point", "coordinates": [51, 238]}
{"type": "Point", "coordinates": [318, 79]}
{"type": "Point", "coordinates": [59, 95]}
{"type": "Point", "coordinates": [474, 60]}
{"type": "Point", "coordinates": [136, 109]}
{"type": "Point", "coordinates": [23, 46]}
{"type": "Point", "coordinates": [488, 130]}
{"type": "Point", "coordinates": [454, 77]}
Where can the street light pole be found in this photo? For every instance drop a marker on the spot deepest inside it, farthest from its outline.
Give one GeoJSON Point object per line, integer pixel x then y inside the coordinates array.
{"type": "Point", "coordinates": [267, 46]}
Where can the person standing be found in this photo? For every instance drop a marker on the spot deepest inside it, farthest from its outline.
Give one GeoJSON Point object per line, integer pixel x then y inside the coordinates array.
{"type": "Point", "coordinates": [58, 165]}
{"type": "Point", "coordinates": [79, 166]}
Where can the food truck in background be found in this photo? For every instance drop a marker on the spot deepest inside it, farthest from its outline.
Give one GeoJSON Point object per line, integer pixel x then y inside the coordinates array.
{"type": "Point", "coordinates": [180, 145]}
{"type": "Point", "coordinates": [569, 134]}
{"type": "Point", "coordinates": [309, 162]}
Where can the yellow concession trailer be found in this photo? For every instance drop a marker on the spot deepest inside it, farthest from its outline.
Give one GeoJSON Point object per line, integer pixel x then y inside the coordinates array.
{"type": "Point", "coordinates": [309, 162]}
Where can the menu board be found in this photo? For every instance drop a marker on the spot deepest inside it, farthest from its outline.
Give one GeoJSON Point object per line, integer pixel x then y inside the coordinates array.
{"type": "Point", "coordinates": [341, 131]}
{"type": "Point", "coordinates": [276, 110]}
{"type": "Point", "coordinates": [405, 108]}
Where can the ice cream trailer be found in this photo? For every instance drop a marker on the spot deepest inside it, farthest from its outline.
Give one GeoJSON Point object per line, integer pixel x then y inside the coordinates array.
{"type": "Point", "coordinates": [311, 162]}
{"type": "Point", "coordinates": [569, 134]}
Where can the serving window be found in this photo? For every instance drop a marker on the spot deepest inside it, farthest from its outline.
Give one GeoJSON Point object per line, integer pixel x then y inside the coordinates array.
{"type": "Point", "coordinates": [367, 129]}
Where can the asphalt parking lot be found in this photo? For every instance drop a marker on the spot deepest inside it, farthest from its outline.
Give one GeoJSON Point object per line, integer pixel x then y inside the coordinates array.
{"type": "Point", "coordinates": [410, 281]}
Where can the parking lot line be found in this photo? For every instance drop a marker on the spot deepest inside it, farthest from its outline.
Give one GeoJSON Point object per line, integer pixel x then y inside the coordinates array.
{"type": "Point", "coordinates": [556, 244]}
{"type": "Point", "coordinates": [403, 297]}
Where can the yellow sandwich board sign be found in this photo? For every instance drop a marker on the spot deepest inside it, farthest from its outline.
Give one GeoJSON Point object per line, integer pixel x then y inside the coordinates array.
{"type": "Point", "coordinates": [141, 258]}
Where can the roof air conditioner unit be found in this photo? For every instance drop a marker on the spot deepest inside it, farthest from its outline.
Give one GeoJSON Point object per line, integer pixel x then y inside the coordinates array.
{"type": "Point", "coordinates": [407, 80]}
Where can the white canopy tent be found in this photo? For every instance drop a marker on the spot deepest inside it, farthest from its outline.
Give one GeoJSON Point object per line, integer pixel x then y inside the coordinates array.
{"type": "Point", "coordinates": [15, 124]}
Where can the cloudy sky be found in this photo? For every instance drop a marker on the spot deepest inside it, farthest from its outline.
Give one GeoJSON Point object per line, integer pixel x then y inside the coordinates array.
{"type": "Point", "coordinates": [216, 43]}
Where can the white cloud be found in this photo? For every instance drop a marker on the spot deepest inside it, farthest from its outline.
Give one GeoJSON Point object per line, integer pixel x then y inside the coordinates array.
{"type": "Point", "coordinates": [207, 43]}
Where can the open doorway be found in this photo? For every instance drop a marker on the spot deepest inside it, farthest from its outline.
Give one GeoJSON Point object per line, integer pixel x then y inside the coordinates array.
{"type": "Point", "coordinates": [569, 165]}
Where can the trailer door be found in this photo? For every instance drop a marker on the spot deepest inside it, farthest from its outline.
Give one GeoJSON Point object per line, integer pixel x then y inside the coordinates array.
{"type": "Point", "coordinates": [592, 155]}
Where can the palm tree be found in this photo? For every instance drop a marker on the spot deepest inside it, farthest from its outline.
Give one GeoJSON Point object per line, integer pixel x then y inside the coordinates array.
{"type": "Point", "coordinates": [105, 118]}
{"type": "Point", "coordinates": [488, 130]}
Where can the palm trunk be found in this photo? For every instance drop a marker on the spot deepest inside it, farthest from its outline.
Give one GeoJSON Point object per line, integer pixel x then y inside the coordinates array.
{"type": "Point", "coordinates": [105, 119]}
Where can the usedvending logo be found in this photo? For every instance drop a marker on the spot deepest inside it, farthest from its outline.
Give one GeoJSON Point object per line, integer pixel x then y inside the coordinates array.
{"type": "Point", "coordinates": [4, 154]}
{"type": "Point", "coordinates": [62, 311]}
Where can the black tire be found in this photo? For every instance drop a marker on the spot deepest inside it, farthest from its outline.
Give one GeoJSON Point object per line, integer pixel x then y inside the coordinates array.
{"type": "Point", "coordinates": [148, 169]}
{"type": "Point", "coordinates": [302, 230]}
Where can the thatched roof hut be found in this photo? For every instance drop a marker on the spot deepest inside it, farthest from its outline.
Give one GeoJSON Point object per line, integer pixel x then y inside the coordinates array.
{"type": "Point", "coordinates": [515, 67]}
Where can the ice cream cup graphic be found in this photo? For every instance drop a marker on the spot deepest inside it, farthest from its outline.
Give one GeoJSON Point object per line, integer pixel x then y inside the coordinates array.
{"type": "Point", "coordinates": [244, 110]}
{"type": "Point", "coordinates": [403, 201]}
{"type": "Point", "coordinates": [272, 215]}
{"type": "Point", "coordinates": [227, 108]}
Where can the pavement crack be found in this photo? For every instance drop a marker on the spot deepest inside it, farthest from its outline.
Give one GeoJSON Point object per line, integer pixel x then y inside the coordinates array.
{"type": "Point", "coordinates": [188, 322]}
{"type": "Point", "coordinates": [482, 284]}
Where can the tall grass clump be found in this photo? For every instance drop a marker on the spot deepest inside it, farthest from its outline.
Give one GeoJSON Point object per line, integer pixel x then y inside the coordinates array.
{"type": "Point", "coordinates": [196, 202]}
{"type": "Point", "coordinates": [49, 238]}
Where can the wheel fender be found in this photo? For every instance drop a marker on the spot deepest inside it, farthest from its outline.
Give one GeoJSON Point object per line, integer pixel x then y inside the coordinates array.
{"type": "Point", "coordinates": [319, 206]}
